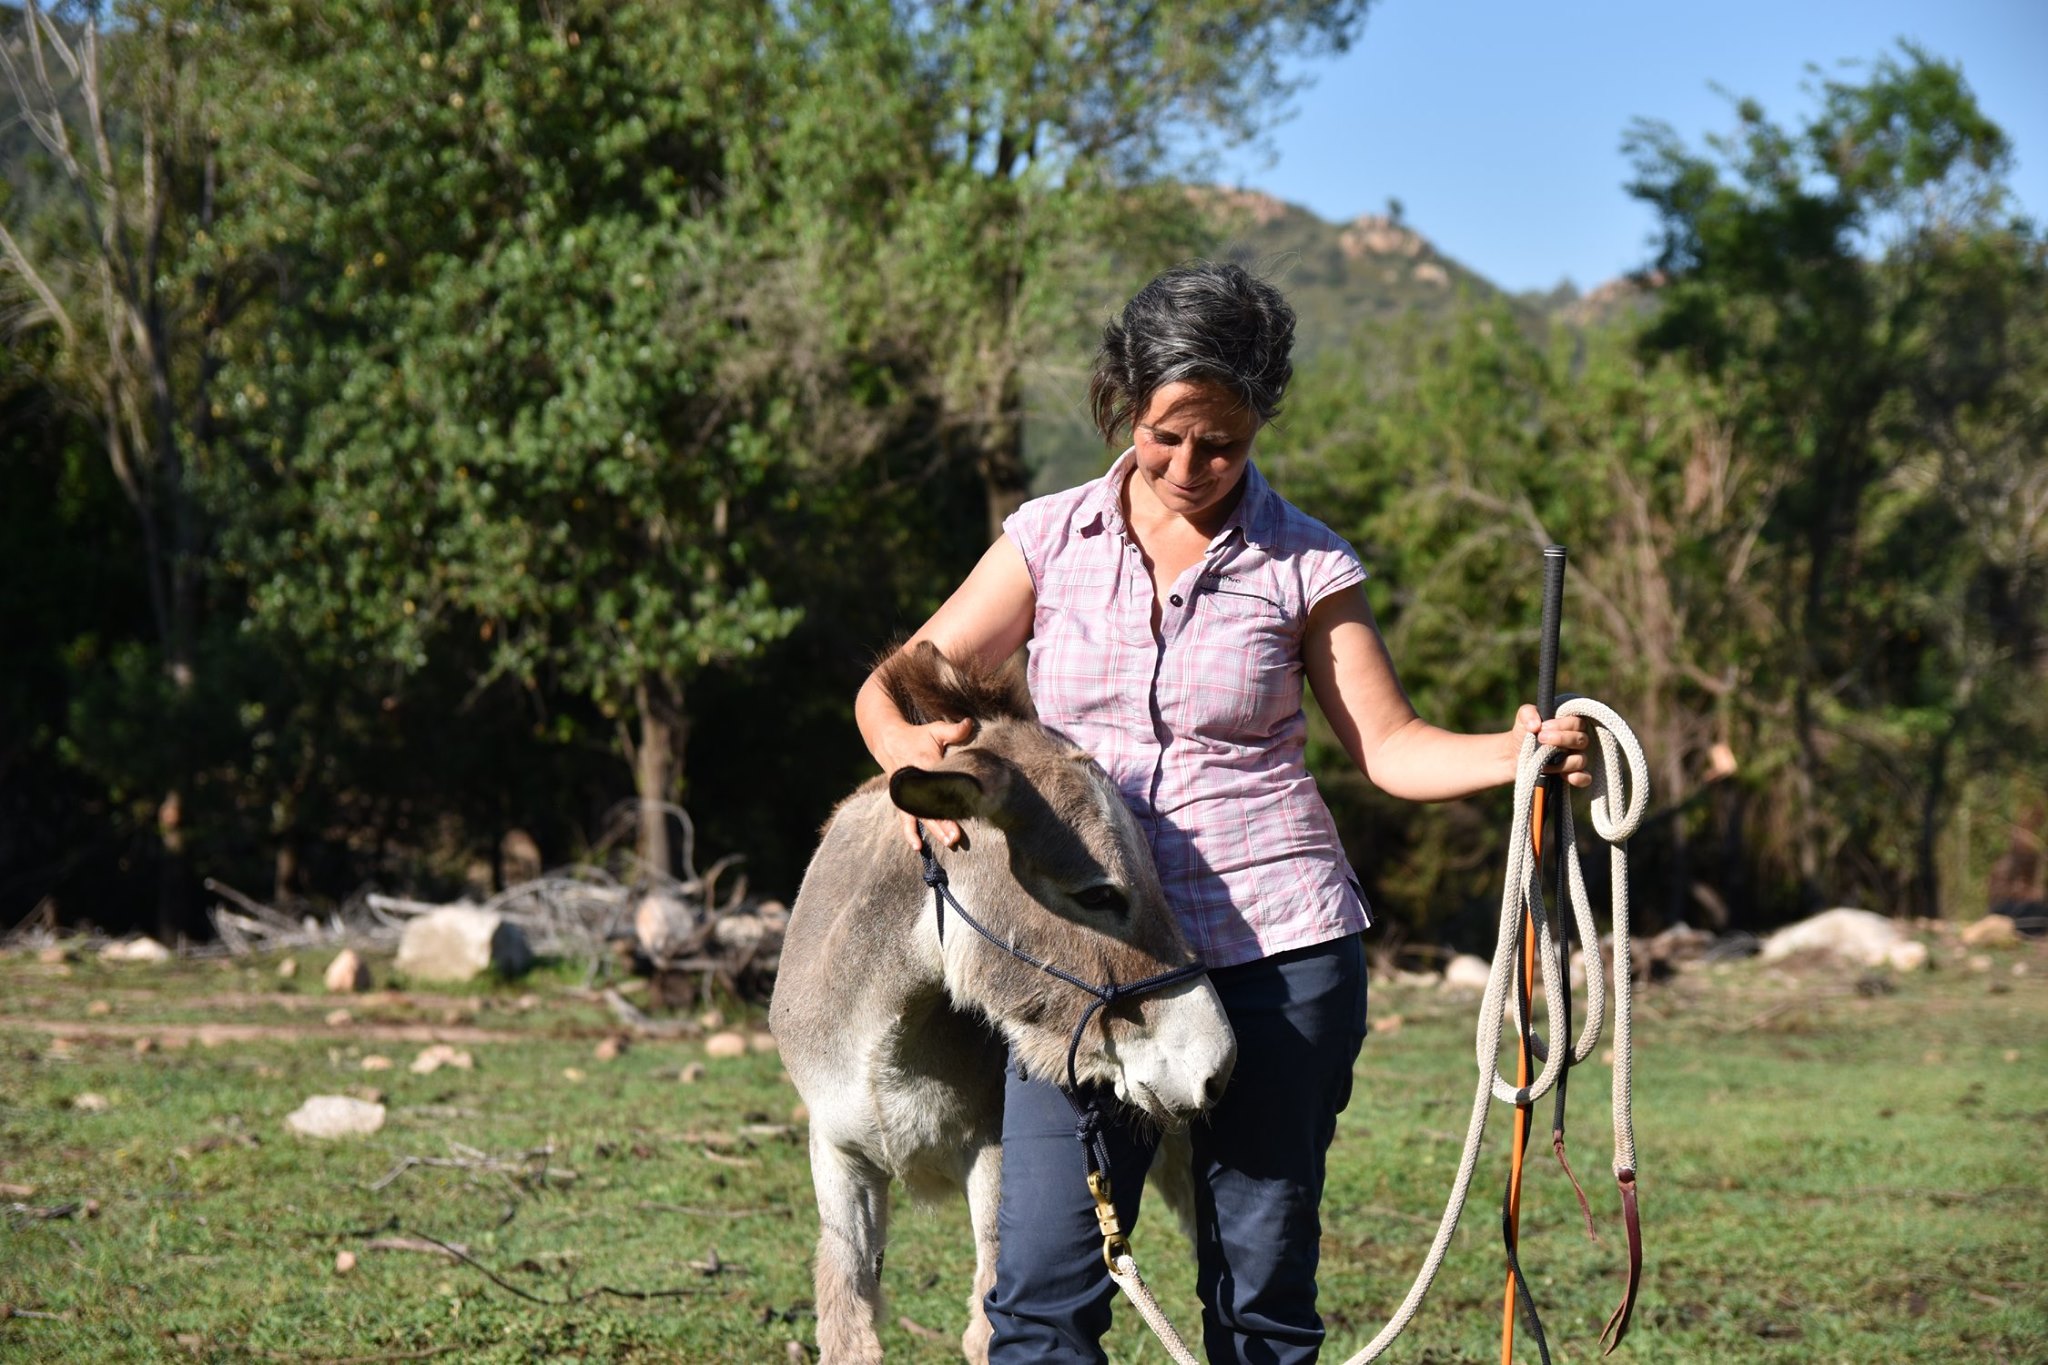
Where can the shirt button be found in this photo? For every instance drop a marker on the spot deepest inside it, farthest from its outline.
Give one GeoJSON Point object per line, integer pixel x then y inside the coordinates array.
{"type": "Point", "coordinates": [1175, 599]}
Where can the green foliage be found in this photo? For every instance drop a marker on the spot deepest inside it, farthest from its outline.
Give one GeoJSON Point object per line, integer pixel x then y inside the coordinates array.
{"type": "Point", "coordinates": [1803, 501]}
{"type": "Point", "coordinates": [489, 405]}
{"type": "Point", "coordinates": [542, 382]}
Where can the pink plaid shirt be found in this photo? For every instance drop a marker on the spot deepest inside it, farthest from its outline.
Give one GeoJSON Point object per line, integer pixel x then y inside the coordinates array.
{"type": "Point", "coordinates": [1200, 727]}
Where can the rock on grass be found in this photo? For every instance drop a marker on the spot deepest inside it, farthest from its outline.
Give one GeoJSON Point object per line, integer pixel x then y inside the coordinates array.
{"type": "Point", "coordinates": [135, 950]}
{"type": "Point", "coordinates": [461, 943]}
{"type": "Point", "coordinates": [347, 973]}
{"type": "Point", "coordinates": [335, 1116]}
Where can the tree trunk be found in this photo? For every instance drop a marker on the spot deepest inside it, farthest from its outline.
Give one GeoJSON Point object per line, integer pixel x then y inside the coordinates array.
{"type": "Point", "coordinates": [654, 775]}
{"type": "Point", "coordinates": [174, 891]}
{"type": "Point", "coordinates": [284, 876]}
{"type": "Point", "coordinates": [1926, 897]}
{"type": "Point", "coordinates": [1004, 476]}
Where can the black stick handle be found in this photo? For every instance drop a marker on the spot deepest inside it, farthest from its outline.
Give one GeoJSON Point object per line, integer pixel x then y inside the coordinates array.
{"type": "Point", "coordinates": [1553, 612]}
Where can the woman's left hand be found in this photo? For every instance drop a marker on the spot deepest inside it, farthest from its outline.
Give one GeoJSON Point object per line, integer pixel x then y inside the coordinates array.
{"type": "Point", "coordinates": [1568, 733]}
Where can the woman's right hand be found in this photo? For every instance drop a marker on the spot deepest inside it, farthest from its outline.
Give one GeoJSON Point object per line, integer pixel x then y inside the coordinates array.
{"type": "Point", "coordinates": [988, 617]}
{"type": "Point", "coordinates": [923, 746]}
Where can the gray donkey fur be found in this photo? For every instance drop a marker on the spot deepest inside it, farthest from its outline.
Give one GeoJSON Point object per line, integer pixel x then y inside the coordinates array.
{"type": "Point", "coordinates": [897, 1040]}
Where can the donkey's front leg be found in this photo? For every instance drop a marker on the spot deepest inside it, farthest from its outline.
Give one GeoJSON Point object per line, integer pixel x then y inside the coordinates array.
{"type": "Point", "coordinates": [853, 1229]}
{"type": "Point", "coordinates": [984, 1193]}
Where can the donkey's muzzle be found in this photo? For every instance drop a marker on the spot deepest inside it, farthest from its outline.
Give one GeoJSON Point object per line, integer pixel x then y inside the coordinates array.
{"type": "Point", "coordinates": [1178, 1060]}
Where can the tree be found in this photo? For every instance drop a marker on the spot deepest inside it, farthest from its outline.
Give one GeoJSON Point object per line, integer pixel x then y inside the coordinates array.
{"type": "Point", "coordinates": [1846, 368]}
{"type": "Point", "coordinates": [489, 405]}
{"type": "Point", "coordinates": [968, 181]}
{"type": "Point", "coordinates": [107, 246]}
{"type": "Point", "coordinates": [1805, 499]}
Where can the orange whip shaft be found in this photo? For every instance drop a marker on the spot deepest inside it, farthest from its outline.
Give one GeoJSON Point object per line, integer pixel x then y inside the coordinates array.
{"type": "Point", "coordinates": [1546, 708]}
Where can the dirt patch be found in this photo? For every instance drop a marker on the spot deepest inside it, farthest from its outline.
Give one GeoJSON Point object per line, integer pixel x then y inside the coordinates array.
{"type": "Point", "coordinates": [208, 1035]}
{"type": "Point", "coordinates": [291, 1002]}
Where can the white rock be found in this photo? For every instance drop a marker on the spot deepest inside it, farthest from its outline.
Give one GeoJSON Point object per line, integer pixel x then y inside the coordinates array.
{"type": "Point", "coordinates": [739, 932]}
{"type": "Point", "coordinates": [135, 950]}
{"type": "Point", "coordinates": [1992, 931]}
{"type": "Point", "coordinates": [1910, 956]}
{"type": "Point", "coordinates": [347, 973]}
{"type": "Point", "coordinates": [90, 1102]}
{"type": "Point", "coordinates": [1467, 973]}
{"type": "Point", "coordinates": [461, 943]}
{"type": "Point", "coordinates": [725, 1045]}
{"type": "Point", "coordinates": [335, 1116]}
{"type": "Point", "coordinates": [1853, 936]}
{"type": "Point", "coordinates": [661, 924]}
{"type": "Point", "coordinates": [437, 1055]}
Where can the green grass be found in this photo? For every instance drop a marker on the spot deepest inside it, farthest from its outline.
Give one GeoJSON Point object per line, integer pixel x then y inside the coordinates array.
{"type": "Point", "coordinates": [1826, 1176]}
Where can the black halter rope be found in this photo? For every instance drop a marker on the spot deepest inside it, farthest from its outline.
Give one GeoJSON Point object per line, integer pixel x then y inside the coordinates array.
{"type": "Point", "coordinates": [1088, 1113]}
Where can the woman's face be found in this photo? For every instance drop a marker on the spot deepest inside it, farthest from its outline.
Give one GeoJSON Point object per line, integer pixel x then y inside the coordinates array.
{"type": "Point", "coordinates": [1193, 441]}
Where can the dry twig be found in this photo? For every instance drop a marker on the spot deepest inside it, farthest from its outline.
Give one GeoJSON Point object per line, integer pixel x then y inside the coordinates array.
{"type": "Point", "coordinates": [567, 1300]}
{"type": "Point", "coordinates": [528, 1170]}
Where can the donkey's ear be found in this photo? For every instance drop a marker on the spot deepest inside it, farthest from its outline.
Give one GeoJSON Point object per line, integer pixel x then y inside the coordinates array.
{"type": "Point", "coordinates": [946, 793]}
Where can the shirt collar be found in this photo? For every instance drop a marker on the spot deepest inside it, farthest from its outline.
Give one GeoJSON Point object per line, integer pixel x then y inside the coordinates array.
{"type": "Point", "coordinates": [1255, 517]}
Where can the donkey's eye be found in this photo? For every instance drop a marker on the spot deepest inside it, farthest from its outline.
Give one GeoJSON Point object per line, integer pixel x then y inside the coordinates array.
{"type": "Point", "coordinates": [1104, 898]}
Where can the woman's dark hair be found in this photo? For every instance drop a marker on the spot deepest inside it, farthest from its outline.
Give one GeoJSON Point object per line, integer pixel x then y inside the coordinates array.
{"type": "Point", "coordinates": [1201, 322]}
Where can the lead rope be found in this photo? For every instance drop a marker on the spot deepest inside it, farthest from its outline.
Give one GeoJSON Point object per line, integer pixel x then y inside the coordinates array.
{"type": "Point", "coordinates": [1620, 795]}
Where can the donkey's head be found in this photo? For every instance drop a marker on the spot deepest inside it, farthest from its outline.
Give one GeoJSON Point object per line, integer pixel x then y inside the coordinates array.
{"type": "Point", "coordinates": [1055, 865]}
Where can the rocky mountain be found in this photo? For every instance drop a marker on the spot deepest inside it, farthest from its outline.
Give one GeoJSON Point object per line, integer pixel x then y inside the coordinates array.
{"type": "Point", "coordinates": [1342, 278]}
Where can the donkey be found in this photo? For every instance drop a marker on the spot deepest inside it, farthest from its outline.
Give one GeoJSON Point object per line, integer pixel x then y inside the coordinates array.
{"type": "Point", "coordinates": [895, 1032]}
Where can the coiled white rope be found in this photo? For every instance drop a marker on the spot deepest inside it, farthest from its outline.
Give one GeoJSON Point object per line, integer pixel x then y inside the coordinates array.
{"type": "Point", "coordinates": [1620, 794]}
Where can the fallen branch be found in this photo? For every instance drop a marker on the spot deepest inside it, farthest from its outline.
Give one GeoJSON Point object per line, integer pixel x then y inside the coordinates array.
{"type": "Point", "coordinates": [427, 1246]}
{"type": "Point", "coordinates": [712, 1266]}
{"type": "Point", "coordinates": [520, 1170]}
{"type": "Point", "coordinates": [405, 905]}
{"type": "Point", "coordinates": [722, 1159]}
{"type": "Point", "coordinates": [918, 1329]}
{"type": "Point", "coordinates": [43, 1213]}
{"type": "Point", "coordinates": [567, 1300]}
{"type": "Point", "coordinates": [268, 917]}
{"type": "Point", "coordinates": [697, 1211]}
{"type": "Point", "coordinates": [636, 1019]}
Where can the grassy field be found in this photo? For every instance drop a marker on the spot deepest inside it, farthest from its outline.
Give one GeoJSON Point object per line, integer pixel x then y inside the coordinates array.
{"type": "Point", "coordinates": [1828, 1174]}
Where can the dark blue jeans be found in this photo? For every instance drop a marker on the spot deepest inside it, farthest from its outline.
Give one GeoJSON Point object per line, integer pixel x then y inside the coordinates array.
{"type": "Point", "coordinates": [1258, 1167]}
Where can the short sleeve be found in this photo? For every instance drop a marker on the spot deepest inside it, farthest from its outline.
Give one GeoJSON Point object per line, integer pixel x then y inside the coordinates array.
{"type": "Point", "coordinates": [1331, 567]}
{"type": "Point", "coordinates": [1026, 528]}
{"type": "Point", "coordinates": [1042, 529]}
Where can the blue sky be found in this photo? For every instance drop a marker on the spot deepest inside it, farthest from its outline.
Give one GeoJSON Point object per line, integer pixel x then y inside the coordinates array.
{"type": "Point", "coordinates": [1498, 125]}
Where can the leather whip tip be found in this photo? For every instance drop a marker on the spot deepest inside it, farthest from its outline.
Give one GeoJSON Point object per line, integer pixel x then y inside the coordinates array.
{"type": "Point", "coordinates": [1617, 1326]}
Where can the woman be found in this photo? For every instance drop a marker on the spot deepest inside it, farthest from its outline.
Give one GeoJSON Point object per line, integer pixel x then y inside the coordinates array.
{"type": "Point", "coordinates": [1173, 608]}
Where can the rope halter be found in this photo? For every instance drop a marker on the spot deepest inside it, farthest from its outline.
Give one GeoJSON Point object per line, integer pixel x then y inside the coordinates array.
{"type": "Point", "coordinates": [1089, 1117]}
